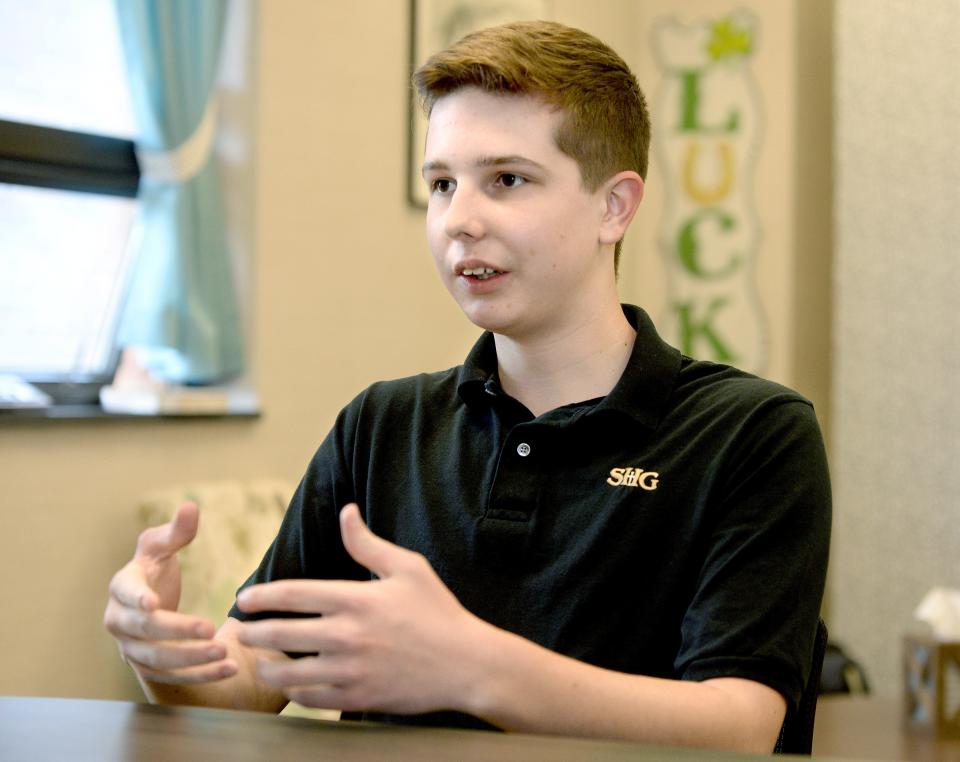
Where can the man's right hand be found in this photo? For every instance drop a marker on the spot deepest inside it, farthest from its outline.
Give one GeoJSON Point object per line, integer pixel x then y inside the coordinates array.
{"type": "Point", "coordinates": [160, 644]}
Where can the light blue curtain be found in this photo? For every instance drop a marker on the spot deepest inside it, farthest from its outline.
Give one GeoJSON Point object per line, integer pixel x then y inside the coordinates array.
{"type": "Point", "coordinates": [181, 304]}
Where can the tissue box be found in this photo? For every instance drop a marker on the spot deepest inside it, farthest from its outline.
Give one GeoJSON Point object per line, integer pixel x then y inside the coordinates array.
{"type": "Point", "coordinates": [932, 683]}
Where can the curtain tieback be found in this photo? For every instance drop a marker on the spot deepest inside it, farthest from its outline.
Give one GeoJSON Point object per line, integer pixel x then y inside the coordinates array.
{"type": "Point", "coordinates": [179, 165]}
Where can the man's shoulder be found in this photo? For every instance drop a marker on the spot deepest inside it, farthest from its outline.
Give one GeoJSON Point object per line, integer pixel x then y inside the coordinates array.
{"type": "Point", "coordinates": [438, 388]}
{"type": "Point", "coordinates": [717, 385]}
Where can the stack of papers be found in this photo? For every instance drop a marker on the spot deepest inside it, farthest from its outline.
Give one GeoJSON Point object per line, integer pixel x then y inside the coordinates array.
{"type": "Point", "coordinates": [17, 394]}
{"type": "Point", "coordinates": [179, 400]}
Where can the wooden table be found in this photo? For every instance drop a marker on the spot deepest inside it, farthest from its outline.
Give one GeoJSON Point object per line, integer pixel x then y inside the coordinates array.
{"type": "Point", "coordinates": [40, 729]}
{"type": "Point", "coordinates": [872, 728]}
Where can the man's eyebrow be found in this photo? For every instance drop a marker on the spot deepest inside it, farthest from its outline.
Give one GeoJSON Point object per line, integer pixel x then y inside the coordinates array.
{"type": "Point", "coordinates": [497, 161]}
{"type": "Point", "coordinates": [486, 161]}
{"type": "Point", "coordinates": [433, 166]}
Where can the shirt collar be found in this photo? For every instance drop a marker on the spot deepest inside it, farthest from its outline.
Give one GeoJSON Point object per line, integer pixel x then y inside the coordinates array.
{"type": "Point", "coordinates": [479, 370]}
{"type": "Point", "coordinates": [641, 393]}
{"type": "Point", "coordinates": [650, 376]}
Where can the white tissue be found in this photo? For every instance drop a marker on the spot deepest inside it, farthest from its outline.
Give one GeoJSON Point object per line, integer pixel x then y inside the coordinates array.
{"type": "Point", "coordinates": [940, 609]}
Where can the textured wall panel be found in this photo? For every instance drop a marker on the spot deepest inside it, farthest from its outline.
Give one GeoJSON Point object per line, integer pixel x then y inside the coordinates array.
{"type": "Point", "coordinates": [896, 419]}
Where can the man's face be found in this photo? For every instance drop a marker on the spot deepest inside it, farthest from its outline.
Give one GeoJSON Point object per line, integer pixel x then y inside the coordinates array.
{"type": "Point", "coordinates": [512, 231]}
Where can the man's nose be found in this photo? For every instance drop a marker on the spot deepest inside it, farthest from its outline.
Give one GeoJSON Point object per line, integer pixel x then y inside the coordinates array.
{"type": "Point", "coordinates": [465, 213]}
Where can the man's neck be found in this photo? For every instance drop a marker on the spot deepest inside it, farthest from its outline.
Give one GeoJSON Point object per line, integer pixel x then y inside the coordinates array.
{"type": "Point", "coordinates": [577, 362]}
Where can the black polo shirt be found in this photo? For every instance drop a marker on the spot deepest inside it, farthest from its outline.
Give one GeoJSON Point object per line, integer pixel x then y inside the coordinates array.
{"type": "Point", "coordinates": [677, 527]}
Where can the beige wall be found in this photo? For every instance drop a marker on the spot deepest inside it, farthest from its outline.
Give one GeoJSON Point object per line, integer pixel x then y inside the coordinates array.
{"type": "Point", "coordinates": [343, 293]}
{"type": "Point", "coordinates": [896, 410]}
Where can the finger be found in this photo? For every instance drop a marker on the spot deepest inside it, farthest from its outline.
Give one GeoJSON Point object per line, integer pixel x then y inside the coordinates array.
{"type": "Point", "coordinates": [308, 671]}
{"type": "Point", "coordinates": [206, 673]}
{"type": "Point", "coordinates": [123, 621]}
{"type": "Point", "coordinates": [304, 596]}
{"type": "Point", "coordinates": [299, 635]}
{"type": "Point", "coordinates": [129, 587]}
{"type": "Point", "coordinates": [376, 554]}
{"type": "Point", "coordinates": [173, 654]}
{"type": "Point", "coordinates": [165, 540]}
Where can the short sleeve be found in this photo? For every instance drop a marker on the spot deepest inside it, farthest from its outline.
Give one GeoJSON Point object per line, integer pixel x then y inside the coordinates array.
{"type": "Point", "coordinates": [757, 602]}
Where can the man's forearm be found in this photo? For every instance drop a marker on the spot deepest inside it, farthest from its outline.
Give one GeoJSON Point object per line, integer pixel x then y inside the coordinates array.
{"type": "Point", "coordinates": [243, 690]}
{"type": "Point", "coordinates": [520, 686]}
{"type": "Point", "coordinates": [215, 695]}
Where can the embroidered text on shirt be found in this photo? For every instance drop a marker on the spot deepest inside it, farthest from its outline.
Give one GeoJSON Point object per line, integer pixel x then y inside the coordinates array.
{"type": "Point", "coordinates": [634, 477]}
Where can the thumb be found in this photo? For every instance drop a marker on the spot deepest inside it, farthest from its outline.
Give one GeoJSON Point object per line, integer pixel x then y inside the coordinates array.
{"type": "Point", "coordinates": [165, 540]}
{"type": "Point", "coordinates": [368, 550]}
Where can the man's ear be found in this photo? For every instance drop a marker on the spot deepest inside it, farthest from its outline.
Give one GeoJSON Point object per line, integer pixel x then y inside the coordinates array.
{"type": "Point", "coordinates": [622, 194]}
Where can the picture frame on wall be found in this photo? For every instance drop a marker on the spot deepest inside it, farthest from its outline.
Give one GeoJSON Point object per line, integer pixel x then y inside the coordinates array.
{"type": "Point", "coordinates": [435, 24]}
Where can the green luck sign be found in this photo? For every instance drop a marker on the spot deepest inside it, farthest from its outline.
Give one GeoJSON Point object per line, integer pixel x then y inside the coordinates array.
{"type": "Point", "coordinates": [706, 143]}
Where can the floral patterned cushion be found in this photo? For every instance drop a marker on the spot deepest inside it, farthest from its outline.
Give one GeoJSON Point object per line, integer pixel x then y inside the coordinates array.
{"type": "Point", "coordinates": [238, 520]}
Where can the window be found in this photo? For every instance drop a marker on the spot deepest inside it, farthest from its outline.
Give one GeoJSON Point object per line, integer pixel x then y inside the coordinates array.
{"type": "Point", "coordinates": [68, 182]}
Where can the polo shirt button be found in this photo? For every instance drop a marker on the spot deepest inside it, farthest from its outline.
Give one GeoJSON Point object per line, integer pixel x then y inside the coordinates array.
{"type": "Point", "coordinates": [523, 449]}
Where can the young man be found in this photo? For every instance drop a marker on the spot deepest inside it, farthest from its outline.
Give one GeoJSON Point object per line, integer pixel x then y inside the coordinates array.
{"type": "Point", "coordinates": [577, 531]}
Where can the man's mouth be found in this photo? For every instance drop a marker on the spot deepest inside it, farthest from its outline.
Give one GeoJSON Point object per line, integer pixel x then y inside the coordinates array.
{"type": "Point", "coordinates": [481, 273]}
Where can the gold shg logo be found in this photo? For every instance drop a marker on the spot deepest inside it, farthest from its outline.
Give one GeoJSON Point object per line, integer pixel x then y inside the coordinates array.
{"type": "Point", "coordinates": [634, 477]}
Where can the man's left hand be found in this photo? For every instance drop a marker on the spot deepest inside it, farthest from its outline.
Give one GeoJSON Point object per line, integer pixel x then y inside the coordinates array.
{"type": "Point", "coordinates": [395, 644]}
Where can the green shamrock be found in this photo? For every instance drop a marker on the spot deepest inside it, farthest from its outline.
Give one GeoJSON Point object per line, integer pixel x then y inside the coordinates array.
{"type": "Point", "coordinates": [728, 40]}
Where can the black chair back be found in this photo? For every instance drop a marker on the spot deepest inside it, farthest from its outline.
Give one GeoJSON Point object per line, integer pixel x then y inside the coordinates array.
{"type": "Point", "coordinates": [796, 735]}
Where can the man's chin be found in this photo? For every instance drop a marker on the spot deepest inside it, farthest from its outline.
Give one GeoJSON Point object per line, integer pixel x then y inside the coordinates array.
{"type": "Point", "coordinates": [489, 320]}
{"type": "Point", "coordinates": [508, 326]}
{"type": "Point", "coordinates": [487, 325]}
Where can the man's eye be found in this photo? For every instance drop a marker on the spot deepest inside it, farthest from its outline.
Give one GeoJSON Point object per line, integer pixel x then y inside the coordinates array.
{"type": "Point", "coordinates": [441, 185]}
{"type": "Point", "coordinates": [510, 180]}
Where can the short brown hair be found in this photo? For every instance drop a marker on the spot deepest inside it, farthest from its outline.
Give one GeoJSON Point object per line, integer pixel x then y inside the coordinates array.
{"type": "Point", "coordinates": [607, 126]}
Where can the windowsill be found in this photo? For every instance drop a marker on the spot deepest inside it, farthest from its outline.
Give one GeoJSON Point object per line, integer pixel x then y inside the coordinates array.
{"type": "Point", "coordinates": [95, 412]}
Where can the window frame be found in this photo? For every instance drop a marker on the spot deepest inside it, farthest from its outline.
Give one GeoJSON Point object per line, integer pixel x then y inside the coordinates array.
{"type": "Point", "coordinates": [80, 162]}
{"type": "Point", "coordinates": [47, 157]}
